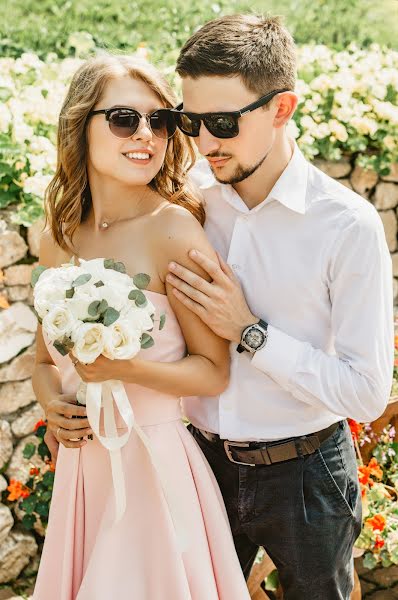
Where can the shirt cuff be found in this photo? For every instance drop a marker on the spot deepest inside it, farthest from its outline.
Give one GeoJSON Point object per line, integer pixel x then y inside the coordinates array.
{"type": "Point", "coordinates": [278, 358]}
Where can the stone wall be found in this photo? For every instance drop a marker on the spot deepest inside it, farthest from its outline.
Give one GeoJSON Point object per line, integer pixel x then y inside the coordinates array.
{"type": "Point", "coordinates": [19, 412]}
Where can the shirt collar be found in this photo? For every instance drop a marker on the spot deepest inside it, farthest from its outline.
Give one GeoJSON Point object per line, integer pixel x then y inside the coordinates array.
{"type": "Point", "coordinates": [290, 189]}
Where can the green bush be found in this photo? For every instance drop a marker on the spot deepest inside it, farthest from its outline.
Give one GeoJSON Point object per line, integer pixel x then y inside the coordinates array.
{"type": "Point", "coordinates": [45, 26]}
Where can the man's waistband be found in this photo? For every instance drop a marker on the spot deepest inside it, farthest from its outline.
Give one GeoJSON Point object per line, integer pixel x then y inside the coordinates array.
{"type": "Point", "coordinates": [268, 453]}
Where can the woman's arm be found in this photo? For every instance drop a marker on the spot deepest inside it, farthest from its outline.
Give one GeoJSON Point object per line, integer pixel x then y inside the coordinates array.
{"type": "Point", "coordinates": [205, 371]}
{"type": "Point", "coordinates": [46, 381]}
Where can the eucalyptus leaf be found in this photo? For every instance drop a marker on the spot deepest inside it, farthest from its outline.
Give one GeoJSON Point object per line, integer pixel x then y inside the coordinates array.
{"type": "Point", "coordinates": [61, 348]}
{"type": "Point", "coordinates": [110, 316]}
{"type": "Point", "coordinates": [162, 321]}
{"type": "Point", "coordinates": [141, 280]}
{"type": "Point", "coordinates": [82, 279]}
{"type": "Point", "coordinates": [146, 341]}
{"type": "Point", "coordinates": [70, 293]}
{"type": "Point", "coordinates": [99, 284]}
{"type": "Point", "coordinates": [37, 271]}
{"type": "Point", "coordinates": [109, 263]}
{"type": "Point", "coordinates": [93, 308]}
{"type": "Point", "coordinates": [138, 297]}
{"type": "Point", "coordinates": [102, 306]}
{"type": "Point", "coordinates": [119, 266]}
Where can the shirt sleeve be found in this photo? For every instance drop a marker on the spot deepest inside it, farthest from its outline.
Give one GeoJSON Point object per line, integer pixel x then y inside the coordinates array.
{"type": "Point", "coordinates": [355, 382]}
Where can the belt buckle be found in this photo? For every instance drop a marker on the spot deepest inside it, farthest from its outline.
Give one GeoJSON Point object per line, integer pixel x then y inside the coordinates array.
{"type": "Point", "coordinates": [227, 445]}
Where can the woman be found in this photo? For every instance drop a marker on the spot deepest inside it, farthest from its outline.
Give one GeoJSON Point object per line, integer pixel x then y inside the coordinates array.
{"type": "Point", "coordinates": [120, 191]}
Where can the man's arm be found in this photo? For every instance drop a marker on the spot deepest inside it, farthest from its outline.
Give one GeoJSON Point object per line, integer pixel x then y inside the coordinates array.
{"type": "Point", "coordinates": [355, 382]}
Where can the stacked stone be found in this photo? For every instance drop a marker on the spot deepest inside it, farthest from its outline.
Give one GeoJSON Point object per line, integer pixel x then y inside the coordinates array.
{"type": "Point", "coordinates": [19, 411]}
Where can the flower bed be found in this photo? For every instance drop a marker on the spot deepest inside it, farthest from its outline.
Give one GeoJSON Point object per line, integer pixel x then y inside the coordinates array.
{"type": "Point", "coordinates": [348, 107]}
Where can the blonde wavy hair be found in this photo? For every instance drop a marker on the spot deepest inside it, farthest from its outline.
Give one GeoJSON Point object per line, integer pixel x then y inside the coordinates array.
{"type": "Point", "coordinates": [68, 196]}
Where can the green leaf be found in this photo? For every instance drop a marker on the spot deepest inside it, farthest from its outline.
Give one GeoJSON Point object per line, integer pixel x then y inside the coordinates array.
{"type": "Point", "coordinates": [28, 521]}
{"type": "Point", "coordinates": [48, 478]}
{"type": "Point", "coordinates": [119, 267]}
{"type": "Point", "coordinates": [29, 504]}
{"type": "Point", "coordinates": [41, 431]}
{"type": "Point", "coordinates": [42, 509]}
{"type": "Point", "coordinates": [141, 280]}
{"type": "Point", "coordinates": [102, 306]}
{"type": "Point", "coordinates": [93, 308]}
{"type": "Point", "coordinates": [109, 263]}
{"type": "Point", "coordinates": [99, 284]}
{"type": "Point", "coordinates": [29, 450]}
{"type": "Point", "coordinates": [46, 496]}
{"type": "Point", "coordinates": [162, 321]}
{"type": "Point", "coordinates": [272, 581]}
{"type": "Point", "coordinates": [37, 271]}
{"type": "Point", "coordinates": [43, 450]}
{"type": "Point", "coordinates": [110, 316]}
{"type": "Point", "coordinates": [70, 293]}
{"type": "Point", "coordinates": [138, 297]}
{"type": "Point", "coordinates": [146, 341]}
{"type": "Point", "coordinates": [81, 280]}
{"type": "Point", "coordinates": [61, 348]}
{"type": "Point", "coordinates": [369, 561]}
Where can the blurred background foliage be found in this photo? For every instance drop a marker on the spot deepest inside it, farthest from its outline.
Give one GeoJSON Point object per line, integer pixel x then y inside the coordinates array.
{"type": "Point", "coordinates": [70, 27]}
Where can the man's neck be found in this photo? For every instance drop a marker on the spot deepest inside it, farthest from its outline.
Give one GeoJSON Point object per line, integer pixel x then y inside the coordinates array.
{"type": "Point", "coordinates": [256, 188]}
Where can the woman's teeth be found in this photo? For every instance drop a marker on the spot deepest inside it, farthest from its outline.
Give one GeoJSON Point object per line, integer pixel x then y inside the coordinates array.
{"type": "Point", "coordinates": [138, 155]}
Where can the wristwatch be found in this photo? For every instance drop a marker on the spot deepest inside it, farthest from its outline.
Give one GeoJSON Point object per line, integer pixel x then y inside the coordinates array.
{"type": "Point", "coordinates": [254, 337]}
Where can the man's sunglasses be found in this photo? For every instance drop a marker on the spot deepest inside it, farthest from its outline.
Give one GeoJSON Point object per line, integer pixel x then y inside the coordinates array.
{"type": "Point", "coordinates": [124, 122]}
{"type": "Point", "coordinates": [219, 124]}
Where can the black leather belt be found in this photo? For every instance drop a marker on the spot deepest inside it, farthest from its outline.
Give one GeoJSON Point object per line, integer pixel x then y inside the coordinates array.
{"type": "Point", "coordinates": [268, 453]}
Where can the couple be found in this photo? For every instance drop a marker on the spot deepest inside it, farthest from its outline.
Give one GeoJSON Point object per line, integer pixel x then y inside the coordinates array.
{"type": "Point", "coordinates": [273, 341]}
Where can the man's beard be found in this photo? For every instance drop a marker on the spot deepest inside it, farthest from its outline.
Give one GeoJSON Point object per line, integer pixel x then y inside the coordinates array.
{"type": "Point", "coordinates": [241, 173]}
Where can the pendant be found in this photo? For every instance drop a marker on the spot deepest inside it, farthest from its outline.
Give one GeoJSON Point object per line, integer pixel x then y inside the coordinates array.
{"type": "Point", "coordinates": [104, 225]}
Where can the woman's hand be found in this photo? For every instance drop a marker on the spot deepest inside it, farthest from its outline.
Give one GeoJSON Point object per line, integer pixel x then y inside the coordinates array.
{"type": "Point", "coordinates": [52, 444]}
{"type": "Point", "coordinates": [66, 430]}
{"type": "Point", "coordinates": [101, 369]}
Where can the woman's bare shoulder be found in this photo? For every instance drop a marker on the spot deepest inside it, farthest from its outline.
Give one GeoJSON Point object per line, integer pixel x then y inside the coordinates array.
{"type": "Point", "coordinates": [50, 253]}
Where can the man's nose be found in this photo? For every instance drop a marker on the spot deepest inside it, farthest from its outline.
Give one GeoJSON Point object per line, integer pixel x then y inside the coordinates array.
{"type": "Point", "coordinates": [206, 142]}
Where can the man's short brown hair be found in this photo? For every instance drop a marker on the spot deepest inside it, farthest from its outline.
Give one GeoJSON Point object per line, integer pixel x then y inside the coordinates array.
{"type": "Point", "coordinates": [258, 49]}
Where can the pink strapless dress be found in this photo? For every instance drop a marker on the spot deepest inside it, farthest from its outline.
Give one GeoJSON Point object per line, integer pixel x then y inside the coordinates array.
{"type": "Point", "coordinates": [86, 556]}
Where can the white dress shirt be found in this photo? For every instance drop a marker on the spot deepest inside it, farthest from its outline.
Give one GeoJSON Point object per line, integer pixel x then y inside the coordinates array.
{"type": "Point", "coordinates": [313, 262]}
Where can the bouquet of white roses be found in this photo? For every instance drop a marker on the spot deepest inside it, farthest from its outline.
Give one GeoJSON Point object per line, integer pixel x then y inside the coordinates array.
{"type": "Point", "coordinates": [91, 309]}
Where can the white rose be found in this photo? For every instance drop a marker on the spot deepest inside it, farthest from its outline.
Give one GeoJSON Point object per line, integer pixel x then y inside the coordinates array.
{"type": "Point", "coordinates": [139, 319]}
{"type": "Point", "coordinates": [123, 341]}
{"type": "Point", "coordinates": [46, 298]}
{"type": "Point", "coordinates": [89, 340]}
{"type": "Point", "coordinates": [84, 295]}
{"type": "Point", "coordinates": [58, 323]}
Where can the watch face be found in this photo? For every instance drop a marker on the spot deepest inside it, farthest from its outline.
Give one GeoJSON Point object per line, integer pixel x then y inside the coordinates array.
{"type": "Point", "coordinates": [254, 338]}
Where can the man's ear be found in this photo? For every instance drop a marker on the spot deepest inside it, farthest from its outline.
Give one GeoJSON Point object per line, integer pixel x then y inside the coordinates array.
{"type": "Point", "coordinates": [286, 102]}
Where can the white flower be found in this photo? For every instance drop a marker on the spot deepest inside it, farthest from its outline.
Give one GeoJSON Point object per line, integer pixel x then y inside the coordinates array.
{"type": "Point", "coordinates": [292, 130]}
{"type": "Point", "coordinates": [58, 322]}
{"type": "Point", "coordinates": [5, 118]}
{"type": "Point", "coordinates": [123, 342]}
{"type": "Point", "coordinates": [338, 130]}
{"type": "Point", "coordinates": [37, 184]}
{"type": "Point", "coordinates": [89, 341]}
{"type": "Point", "coordinates": [46, 297]}
{"type": "Point", "coordinates": [364, 125]}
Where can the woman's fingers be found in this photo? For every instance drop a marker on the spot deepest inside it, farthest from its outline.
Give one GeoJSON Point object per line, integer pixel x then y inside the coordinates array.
{"type": "Point", "coordinates": [52, 444]}
{"type": "Point", "coordinates": [71, 424]}
{"type": "Point", "coordinates": [70, 440]}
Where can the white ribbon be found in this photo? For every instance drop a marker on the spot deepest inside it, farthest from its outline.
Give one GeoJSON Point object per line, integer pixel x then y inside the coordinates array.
{"type": "Point", "coordinates": [102, 395]}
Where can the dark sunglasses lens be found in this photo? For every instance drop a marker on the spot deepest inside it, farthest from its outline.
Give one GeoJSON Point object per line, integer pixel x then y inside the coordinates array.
{"type": "Point", "coordinates": [123, 124]}
{"type": "Point", "coordinates": [222, 126]}
{"type": "Point", "coordinates": [188, 125]}
{"type": "Point", "coordinates": [163, 124]}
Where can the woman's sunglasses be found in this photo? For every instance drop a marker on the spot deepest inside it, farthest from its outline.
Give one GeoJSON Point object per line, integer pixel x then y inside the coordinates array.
{"type": "Point", "coordinates": [124, 122]}
{"type": "Point", "coordinates": [219, 124]}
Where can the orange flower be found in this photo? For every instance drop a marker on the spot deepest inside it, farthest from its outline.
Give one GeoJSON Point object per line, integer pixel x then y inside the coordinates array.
{"type": "Point", "coordinates": [377, 522]}
{"type": "Point", "coordinates": [379, 543]}
{"type": "Point", "coordinates": [375, 469]}
{"type": "Point", "coordinates": [396, 341]}
{"type": "Point", "coordinates": [355, 427]}
{"type": "Point", "coordinates": [52, 467]}
{"type": "Point", "coordinates": [34, 471]}
{"type": "Point", "coordinates": [396, 362]}
{"type": "Point", "coordinates": [39, 424]}
{"type": "Point", "coordinates": [17, 490]}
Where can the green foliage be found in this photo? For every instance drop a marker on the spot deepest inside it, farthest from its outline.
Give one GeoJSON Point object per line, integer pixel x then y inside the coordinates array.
{"type": "Point", "coordinates": [76, 26]}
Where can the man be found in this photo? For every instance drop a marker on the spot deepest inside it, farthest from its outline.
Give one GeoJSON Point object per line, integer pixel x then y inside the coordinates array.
{"type": "Point", "coordinates": [305, 300]}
